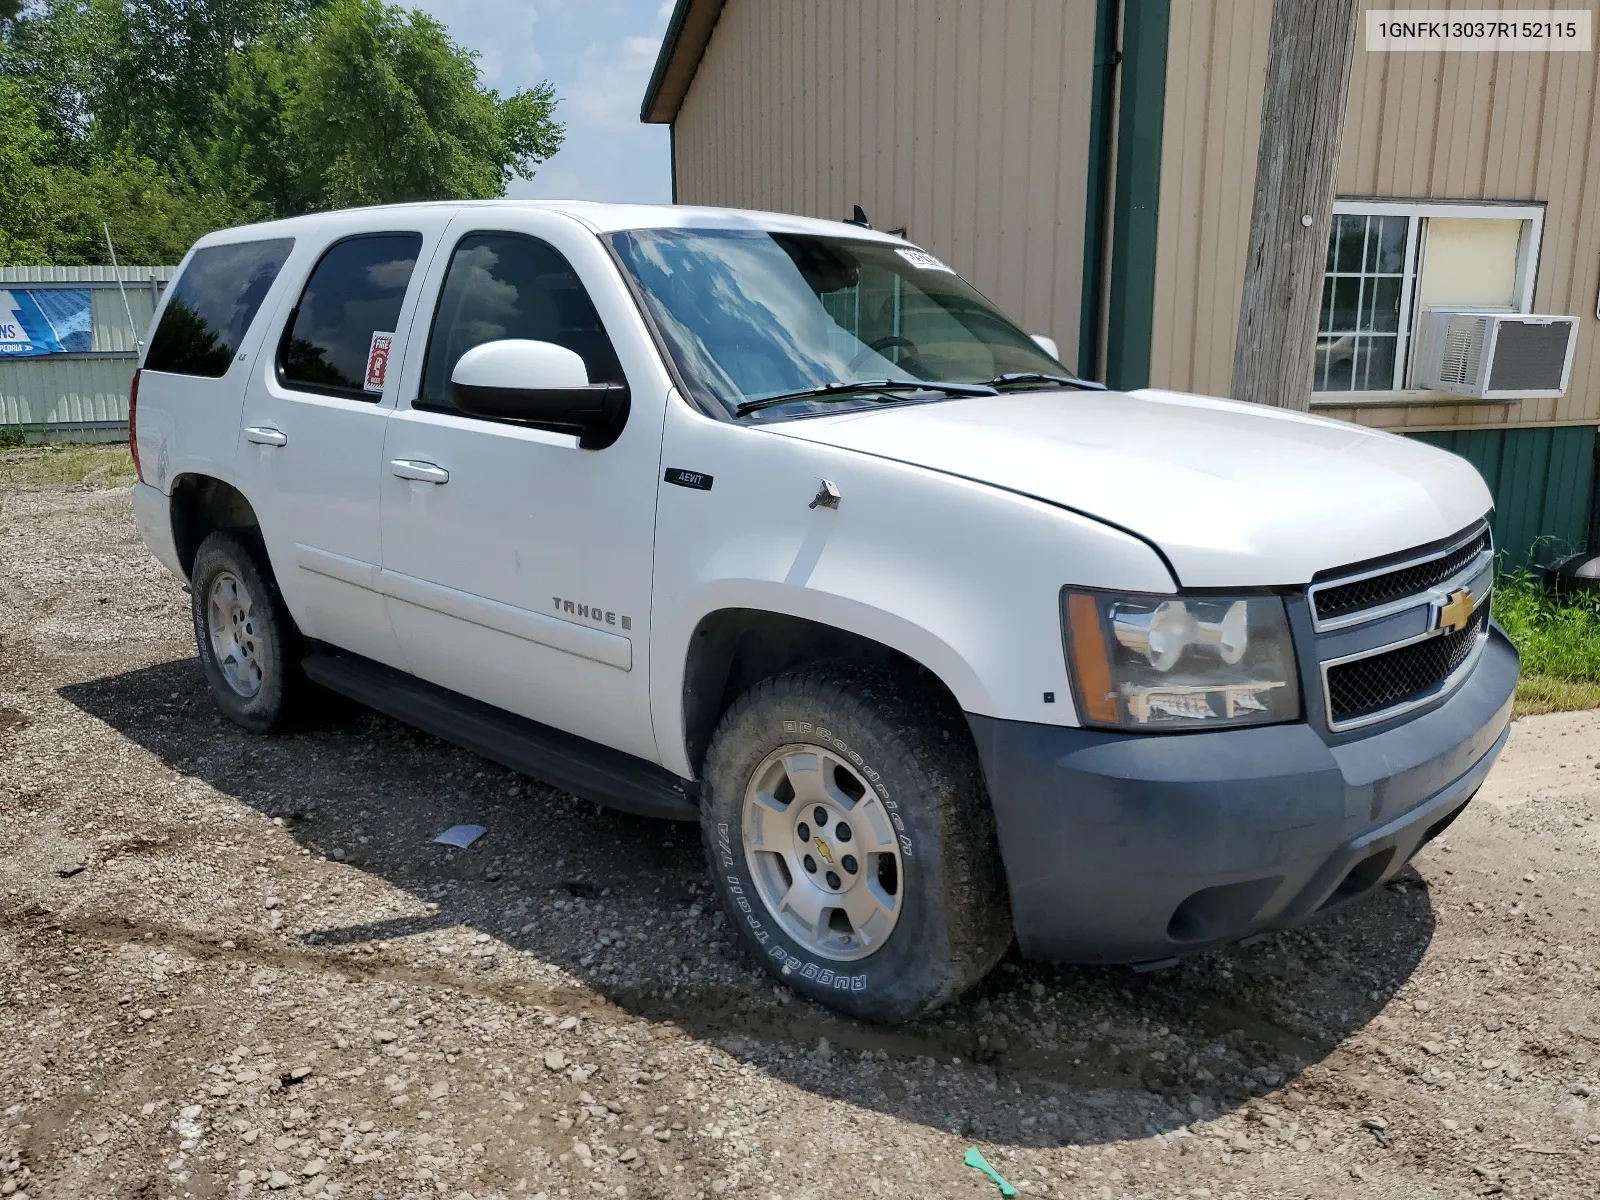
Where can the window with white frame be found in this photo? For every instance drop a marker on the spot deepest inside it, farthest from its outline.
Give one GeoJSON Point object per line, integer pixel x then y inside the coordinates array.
{"type": "Point", "coordinates": [1390, 261]}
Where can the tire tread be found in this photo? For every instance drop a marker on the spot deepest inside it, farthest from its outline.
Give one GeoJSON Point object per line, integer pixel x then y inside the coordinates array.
{"type": "Point", "coordinates": [974, 924]}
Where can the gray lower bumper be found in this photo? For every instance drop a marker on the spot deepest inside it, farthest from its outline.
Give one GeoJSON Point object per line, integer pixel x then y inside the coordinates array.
{"type": "Point", "coordinates": [152, 513]}
{"type": "Point", "coordinates": [1131, 848]}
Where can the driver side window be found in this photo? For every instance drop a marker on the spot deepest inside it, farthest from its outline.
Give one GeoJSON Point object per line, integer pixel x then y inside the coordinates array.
{"type": "Point", "coordinates": [509, 285]}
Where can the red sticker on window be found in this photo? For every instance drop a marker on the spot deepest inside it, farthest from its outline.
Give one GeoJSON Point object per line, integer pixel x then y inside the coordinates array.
{"type": "Point", "coordinates": [378, 360]}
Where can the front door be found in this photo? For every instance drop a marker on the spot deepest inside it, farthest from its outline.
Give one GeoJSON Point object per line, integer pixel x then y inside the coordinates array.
{"type": "Point", "coordinates": [517, 566]}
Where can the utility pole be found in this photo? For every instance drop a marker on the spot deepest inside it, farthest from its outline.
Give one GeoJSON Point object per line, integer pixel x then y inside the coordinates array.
{"type": "Point", "coordinates": [1302, 125]}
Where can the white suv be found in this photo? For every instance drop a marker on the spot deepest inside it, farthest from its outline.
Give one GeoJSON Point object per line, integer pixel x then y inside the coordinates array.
{"type": "Point", "coordinates": [776, 525]}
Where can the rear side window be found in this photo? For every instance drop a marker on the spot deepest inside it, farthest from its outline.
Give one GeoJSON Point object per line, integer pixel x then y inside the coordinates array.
{"type": "Point", "coordinates": [508, 285]}
{"type": "Point", "coordinates": [354, 292]}
{"type": "Point", "coordinates": [211, 306]}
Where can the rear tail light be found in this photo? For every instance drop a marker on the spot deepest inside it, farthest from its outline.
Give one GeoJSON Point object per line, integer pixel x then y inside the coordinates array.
{"type": "Point", "coordinates": [133, 423]}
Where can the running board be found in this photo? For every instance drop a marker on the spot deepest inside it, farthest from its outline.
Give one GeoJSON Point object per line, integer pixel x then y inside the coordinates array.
{"type": "Point", "coordinates": [563, 760]}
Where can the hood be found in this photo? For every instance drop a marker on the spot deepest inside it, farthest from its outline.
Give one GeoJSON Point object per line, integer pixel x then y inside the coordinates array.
{"type": "Point", "coordinates": [1235, 495]}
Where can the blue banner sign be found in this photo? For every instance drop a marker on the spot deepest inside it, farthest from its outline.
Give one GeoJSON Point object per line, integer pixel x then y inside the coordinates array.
{"type": "Point", "coordinates": [44, 321]}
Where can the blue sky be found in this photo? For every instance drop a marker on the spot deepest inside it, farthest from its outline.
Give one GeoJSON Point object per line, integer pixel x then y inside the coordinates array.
{"type": "Point", "coordinates": [598, 53]}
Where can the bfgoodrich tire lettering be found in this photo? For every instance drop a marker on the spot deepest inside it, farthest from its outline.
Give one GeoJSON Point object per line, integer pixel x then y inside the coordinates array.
{"type": "Point", "coordinates": [952, 921]}
{"type": "Point", "coordinates": [249, 647]}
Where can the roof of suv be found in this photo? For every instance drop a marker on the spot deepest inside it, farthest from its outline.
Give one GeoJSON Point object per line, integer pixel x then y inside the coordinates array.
{"type": "Point", "coordinates": [602, 218]}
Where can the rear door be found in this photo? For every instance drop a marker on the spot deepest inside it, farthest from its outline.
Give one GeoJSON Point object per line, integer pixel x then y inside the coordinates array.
{"type": "Point", "coordinates": [313, 427]}
{"type": "Point", "coordinates": [518, 565]}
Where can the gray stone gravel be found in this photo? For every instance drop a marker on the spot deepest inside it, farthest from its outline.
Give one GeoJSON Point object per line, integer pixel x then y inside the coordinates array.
{"type": "Point", "coordinates": [264, 980]}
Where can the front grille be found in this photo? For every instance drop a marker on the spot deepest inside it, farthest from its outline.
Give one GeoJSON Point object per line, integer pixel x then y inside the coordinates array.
{"type": "Point", "coordinates": [1369, 685]}
{"type": "Point", "coordinates": [1343, 598]}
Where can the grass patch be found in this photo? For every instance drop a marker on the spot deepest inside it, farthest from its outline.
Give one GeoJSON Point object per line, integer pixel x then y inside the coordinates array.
{"type": "Point", "coordinates": [1558, 637]}
{"type": "Point", "coordinates": [1545, 694]}
{"type": "Point", "coordinates": [38, 468]}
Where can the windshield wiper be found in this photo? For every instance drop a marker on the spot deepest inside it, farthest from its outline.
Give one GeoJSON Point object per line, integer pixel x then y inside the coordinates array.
{"type": "Point", "coordinates": [1088, 385]}
{"type": "Point", "coordinates": [856, 387]}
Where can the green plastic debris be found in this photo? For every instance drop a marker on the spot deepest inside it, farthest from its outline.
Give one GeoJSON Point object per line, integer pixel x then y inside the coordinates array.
{"type": "Point", "coordinates": [978, 1162]}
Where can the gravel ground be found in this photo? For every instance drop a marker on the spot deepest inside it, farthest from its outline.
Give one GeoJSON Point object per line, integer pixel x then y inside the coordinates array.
{"type": "Point", "coordinates": [236, 966]}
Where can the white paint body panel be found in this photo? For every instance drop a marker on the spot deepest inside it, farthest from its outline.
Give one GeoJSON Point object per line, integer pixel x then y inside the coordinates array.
{"type": "Point", "coordinates": [473, 568]}
{"type": "Point", "coordinates": [961, 577]}
{"type": "Point", "coordinates": [520, 363]}
{"type": "Point", "coordinates": [1235, 495]}
{"type": "Point", "coordinates": [317, 494]}
{"type": "Point", "coordinates": [152, 513]}
{"type": "Point", "coordinates": [188, 425]}
{"type": "Point", "coordinates": [959, 521]}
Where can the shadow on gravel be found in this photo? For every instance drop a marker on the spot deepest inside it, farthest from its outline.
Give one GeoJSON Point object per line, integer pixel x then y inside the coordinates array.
{"type": "Point", "coordinates": [1037, 1055]}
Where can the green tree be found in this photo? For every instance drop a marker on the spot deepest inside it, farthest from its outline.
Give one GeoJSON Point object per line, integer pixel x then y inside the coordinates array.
{"type": "Point", "coordinates": [144, 72]}
{"type": "Point", "coordinates": [168, 118]}
{"type": "Point", "coordinates": [381, 106]}
{"type": "Point", "coordinates": [24, 180]}
{"type": "Point", "coordinates": [259, 155]}
{"type": "Point", "coordinates": [154, 216]}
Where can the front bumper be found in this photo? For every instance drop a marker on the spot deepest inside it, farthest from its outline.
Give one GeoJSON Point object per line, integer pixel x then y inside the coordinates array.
{"type": "Point", "coordinates": [1127, 848]}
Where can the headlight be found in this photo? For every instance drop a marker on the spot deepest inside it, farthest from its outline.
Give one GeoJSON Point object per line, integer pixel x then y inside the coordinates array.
{"type": "Point", "coordinates": [1168, 662]}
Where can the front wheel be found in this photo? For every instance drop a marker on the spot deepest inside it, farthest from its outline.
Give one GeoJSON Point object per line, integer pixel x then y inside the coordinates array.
{"type": "Point", "coordinates": [851, 839]}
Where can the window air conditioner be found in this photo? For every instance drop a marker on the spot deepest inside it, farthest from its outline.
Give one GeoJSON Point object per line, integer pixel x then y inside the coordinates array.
{"type": "Point", "coordinates": [1495, 355]}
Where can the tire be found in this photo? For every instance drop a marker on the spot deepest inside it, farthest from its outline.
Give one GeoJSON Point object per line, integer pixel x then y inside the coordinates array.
{"type": "Point", "coordinates": [249, 647]}
{"type": "Point", "coordinates": [920, 912]}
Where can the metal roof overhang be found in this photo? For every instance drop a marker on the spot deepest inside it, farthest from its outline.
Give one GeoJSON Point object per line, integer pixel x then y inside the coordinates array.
{"type": "Point", "coordinates": [688, 31]}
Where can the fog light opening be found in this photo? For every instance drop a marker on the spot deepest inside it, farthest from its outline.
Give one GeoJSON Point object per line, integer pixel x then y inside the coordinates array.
{"type": "Point", "coordinates": [1361, 878]}
{"type": "Point", "coordinates": [1220, 912]}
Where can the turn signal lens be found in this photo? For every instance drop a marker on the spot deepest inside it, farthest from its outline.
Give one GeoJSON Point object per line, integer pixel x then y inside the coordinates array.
{"type": "Point", "coordinates": [1097, 699]}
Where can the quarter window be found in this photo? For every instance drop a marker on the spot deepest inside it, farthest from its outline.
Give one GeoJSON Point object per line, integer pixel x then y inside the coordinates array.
{"type": "Point", "coordinates": [355, 291]}
{"type": "Point", "coordinates": [506, 285]}
{"type": "Point", "coordinates": [1389, 262]}
{"type": "Point", "coordinates": [211, 306]}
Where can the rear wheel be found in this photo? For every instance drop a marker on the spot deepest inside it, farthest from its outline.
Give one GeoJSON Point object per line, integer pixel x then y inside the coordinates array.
{"type": "Point", "coordinates": [851, 839]}
{"type": "Point", "coordinates": [249, 647]}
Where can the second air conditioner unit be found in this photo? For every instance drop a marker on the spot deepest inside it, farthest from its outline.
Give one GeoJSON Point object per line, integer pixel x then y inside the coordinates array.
{"type": "Point", "coordinates": [1495, 355]}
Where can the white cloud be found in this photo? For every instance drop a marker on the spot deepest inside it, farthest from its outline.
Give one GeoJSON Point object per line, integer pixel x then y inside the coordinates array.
{"type": "Point", "coordinates": [599, 55]}
{"type": "Point", "coordinates": [489, 66]}
{"type": "Point", "coordinates": [550, 183]}
{"type": "Point", "coordinates": [611, 80]}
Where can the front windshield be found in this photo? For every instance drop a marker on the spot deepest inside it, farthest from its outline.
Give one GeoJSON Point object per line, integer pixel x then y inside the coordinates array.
{"type": "Point", "coordinates": [749, 315]}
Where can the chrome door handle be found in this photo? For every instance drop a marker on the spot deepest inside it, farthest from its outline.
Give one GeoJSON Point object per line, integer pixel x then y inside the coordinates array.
{"type": "Point", "coordinates": [424, 472]}
{"type": "Point", "coordinates": [265, 435]}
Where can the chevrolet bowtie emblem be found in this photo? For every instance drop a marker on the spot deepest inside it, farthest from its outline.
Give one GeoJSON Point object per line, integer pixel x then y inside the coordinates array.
{"type": "Point", "coordinates": [1456, 612]}
{"type": "Point", "coordinates": [822, 849]}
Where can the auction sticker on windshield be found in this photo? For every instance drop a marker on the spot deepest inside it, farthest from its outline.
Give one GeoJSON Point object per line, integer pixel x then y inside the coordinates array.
{"type": "Point", "coordinates": [922, 260]}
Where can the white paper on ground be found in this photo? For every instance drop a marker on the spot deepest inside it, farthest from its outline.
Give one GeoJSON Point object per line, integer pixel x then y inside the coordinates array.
{"type": "Point", "coordinates": [460, 836]}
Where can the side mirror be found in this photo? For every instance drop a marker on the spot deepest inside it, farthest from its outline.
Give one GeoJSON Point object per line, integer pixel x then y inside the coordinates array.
{"type": "Point", "coordinates": [1048, 345]}
{"type": "Point", "coordinates": [542, 385]}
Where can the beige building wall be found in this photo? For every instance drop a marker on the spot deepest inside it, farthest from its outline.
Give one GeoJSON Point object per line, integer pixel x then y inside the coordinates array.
{"type": "Point", "coordinates": [1512, 127]}
{"type": "Point", "coordinates": [967, 124]}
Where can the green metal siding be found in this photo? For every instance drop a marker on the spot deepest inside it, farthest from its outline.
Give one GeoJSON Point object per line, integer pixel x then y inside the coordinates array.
{"type": "Point", "coordinates": [1136, 195]}
{"type": "Point", "coordinates": [82, 397]}
{"type": "Point", "coordinates": [60, 390]}
{"type": "Point", "coordinates": [1096, 214]}
{"type": "Point", "coordinates": [1542, 480]}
